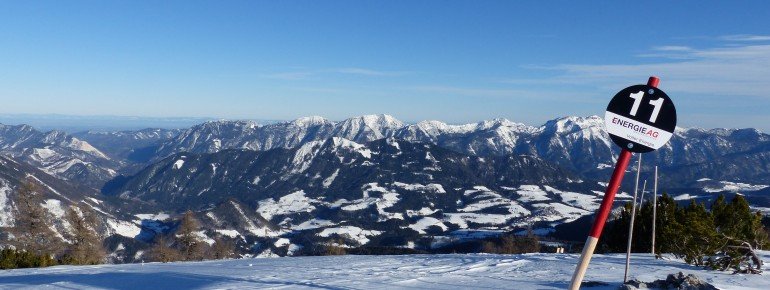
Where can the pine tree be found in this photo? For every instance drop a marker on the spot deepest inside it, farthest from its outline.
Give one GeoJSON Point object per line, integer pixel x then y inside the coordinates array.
{"type": "Point", "coordinates": [699, 237]}
{"type": "Point", "coordinates": [668, 227]}
{"type": "Point", "coordinates": [190, 246]}
{"type": "Point", "coordinates": [32, 231]}
{"type": "Point", "coordinates": [86, 245]}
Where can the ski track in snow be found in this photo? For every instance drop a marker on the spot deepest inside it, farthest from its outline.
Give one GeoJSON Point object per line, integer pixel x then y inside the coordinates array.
{"type": "Point", "coordinates": [473, 271]}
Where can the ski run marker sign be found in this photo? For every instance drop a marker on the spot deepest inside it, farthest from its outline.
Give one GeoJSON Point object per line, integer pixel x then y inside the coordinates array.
{"type": "Point", "coordinates": [640, 118]}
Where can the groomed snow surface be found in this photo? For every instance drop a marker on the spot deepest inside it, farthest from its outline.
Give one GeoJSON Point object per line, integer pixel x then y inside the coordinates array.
{"type": "Point", "coordinates": [475, 271]}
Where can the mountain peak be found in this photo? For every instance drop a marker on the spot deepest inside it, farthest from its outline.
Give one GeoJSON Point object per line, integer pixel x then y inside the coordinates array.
{"type": "Point", "coordinates": [310, 121]}
{"type": "Point", "coordinates": [377, 121]}
{"type": "Point", "coordinates": [572, 124]}
{"type": "Point", "coordinates": [368, 127]}
{"type": "Point", "coordinates": [239, 123]}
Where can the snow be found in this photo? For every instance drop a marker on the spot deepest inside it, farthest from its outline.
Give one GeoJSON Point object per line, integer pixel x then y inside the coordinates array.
{"type": "Point", "coordinates": [456, 271]}
{"type": "Point", "coordinates": [684, 196]}
{"type": "Point", "coordinates": [304, 156]}
{"type": "Point", "coordinates": [96, 201]}
{"type": "Point", "coordinates": [54, 207]}
{"type": "Point", "coordinates": [387, 199]}
{"type": "Point", "coordinates": [462, 219]}
{"type": "Point", "coordinates": [203, 237]}
{"type": "Point", "coordinates": [309, 121]}
{"type": "Point", "coordinates": [178, 164]}
{"type": "Point", "coordinates": [393, 142]}
{"type": "Point", "coordinates": [484, 198]}
{"type": "Point", "coordinates": [431, 188]}
{"type": "Point", "coordinates": [61, 167]}
{"type": "Point", "coordinates": [161, 216]}
{"type": "Point", "coordinates": [426, 222]}
{"type": "Point", "coordinates": [425, 211]}
{"type": "Point", "coordinates": [6, 216]}
{"type": "Point", "coordinates": [530, 193]}
{"type": "Point", "coordinates": [328, 181]}
{"type": "Point", "coordinates": [734, 187]}
{"type": "Point", "coordinates": [42, 154]}
{"type": "Point", "coordinates": [229, 233]}
{"type": "Point", "coordinates": [295, 202]}
{"type": "Point", "coordinates": [558, 211]}
{"type": "Point", "coordinates": [358, 234]}
{"type": "Point", "coordinates": [77, 144]}
{"type": "Point", "coordinates": [267, 254]}
{"type": "Point", "coordinates": [282, 242]}
{"type": "Point", "coordinates": [293, 248]}
{"type": "Point", "coordinates": [123, 228]}
{"type": "Point", "coordinates": [313, 224]}
{"type": "Point", "coordinates": [345, 143]}
{"type": "Point", "coordinates": [603, 166]}
{"type": "Point", "coordinates": [583, 201]}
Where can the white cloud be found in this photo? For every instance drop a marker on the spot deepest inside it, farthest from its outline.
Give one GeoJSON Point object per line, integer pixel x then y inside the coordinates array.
{"type": "Point", "coordinates": [727, 71]}
{"type": "Point", "coordinates": [572, 97]}
{"type": "Point", "coordinates": [672, 48]}
{"type": "Point", "coordinates": [746, 37]}
{"type": "Point", "coordinates": [288, 75]}
{"type": "Point", "coordinates": [305, 74]}
{"type": "Point", "coordinates": [366, 72]}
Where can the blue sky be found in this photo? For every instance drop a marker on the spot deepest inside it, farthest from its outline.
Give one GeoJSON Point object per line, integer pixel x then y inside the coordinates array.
{"type": "Point", "coordinates": [447, 60]}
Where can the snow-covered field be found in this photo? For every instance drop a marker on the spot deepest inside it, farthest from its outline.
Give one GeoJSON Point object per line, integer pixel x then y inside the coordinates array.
{"type": "Point", "coordinates": [476, 271]}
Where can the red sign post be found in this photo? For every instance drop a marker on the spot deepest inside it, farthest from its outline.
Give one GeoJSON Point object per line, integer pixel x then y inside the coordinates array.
{"type": "Point", "coordinates": [620, 170]}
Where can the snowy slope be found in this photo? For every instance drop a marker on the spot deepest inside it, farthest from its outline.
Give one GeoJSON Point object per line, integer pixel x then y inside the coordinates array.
{"type": "Point", "coordinates": [57, 154]}
{"type": "Point", "coordinates": [476, 271]}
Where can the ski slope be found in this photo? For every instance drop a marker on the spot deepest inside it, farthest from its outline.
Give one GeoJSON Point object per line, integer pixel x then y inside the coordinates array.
{"type": "Point", "coordinates": [475, 271]}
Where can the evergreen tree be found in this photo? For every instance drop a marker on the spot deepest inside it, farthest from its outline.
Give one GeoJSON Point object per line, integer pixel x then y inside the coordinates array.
{"type": "Point", "coordinates": [721, 238]}
{"type": "Point", "coordinates": [668, 227]}
{"type": "Point", "coordinates": [699, 237]}
{"type": "Point", "coordinates": [12, 259]}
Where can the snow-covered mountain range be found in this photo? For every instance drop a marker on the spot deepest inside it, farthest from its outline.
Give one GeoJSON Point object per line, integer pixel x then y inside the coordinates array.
{"type": "Point", "coordinates": [575, 143]}
{"type": "Point", "coordinates": [58, 154]}
{"type": "Point", "coordinates": [372, 179]}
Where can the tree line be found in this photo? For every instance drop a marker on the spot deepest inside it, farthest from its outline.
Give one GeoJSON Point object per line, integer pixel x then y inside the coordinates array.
{"type": "Point", "coordinates": [33, 242]}
{"type": "Point", "coordinates": [722, 237]}
{"type": "Point", "coordinates": [186, 244]}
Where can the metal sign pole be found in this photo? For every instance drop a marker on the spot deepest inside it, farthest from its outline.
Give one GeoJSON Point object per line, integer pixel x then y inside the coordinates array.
{"type": "Point", "coordinates": [633, 215]}
{"type": "Point", "coordinates": [641, 197]}
{"type": "Point", "coordinates": [604, 210]}
{"type": "Point", "coordinates": [654, 209]}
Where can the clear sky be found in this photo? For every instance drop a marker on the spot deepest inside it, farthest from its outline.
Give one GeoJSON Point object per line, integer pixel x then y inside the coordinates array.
{"type": "Point", "coordinates": [455, 61]}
